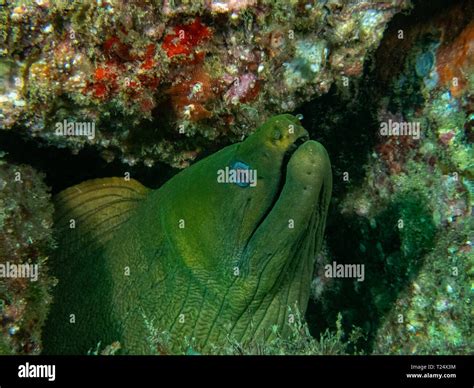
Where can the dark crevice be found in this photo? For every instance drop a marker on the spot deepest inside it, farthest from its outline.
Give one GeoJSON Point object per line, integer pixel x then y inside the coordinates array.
{"type": "Point", "coordinates": [348, 128]}
{"type": "Point", "coordinates": [63, 169]}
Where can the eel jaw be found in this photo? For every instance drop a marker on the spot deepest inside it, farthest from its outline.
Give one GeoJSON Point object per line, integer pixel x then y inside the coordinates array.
{"type": "Point", "coordinates": [294, 146]}
{"type": "Point", "coordinates": [279, 258]}
{"type": "Point", "coordinates": [303, 200]}
{"type": "Point", "coordinates": [284, 165]}
{"type": "Point", "coordinates": [282, 179]}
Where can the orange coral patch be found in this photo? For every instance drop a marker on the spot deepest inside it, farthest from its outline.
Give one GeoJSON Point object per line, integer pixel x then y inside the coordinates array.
{"type": "Point", "coordinates": [454, 58]}
{"type": "Point", "coordinates": [190, 94]}
{"type": "Point", "coordinates": [185, 37]}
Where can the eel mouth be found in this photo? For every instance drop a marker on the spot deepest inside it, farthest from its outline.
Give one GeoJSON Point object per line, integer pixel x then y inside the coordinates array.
{"type": "Point", "coordinates": [293, 147]}
{"type": "Point", "coordinates": [283, 169]}
{"type": "Point", "coordinates": [282, 180]}
{"type": "Point", "coordinates": [284, 164]}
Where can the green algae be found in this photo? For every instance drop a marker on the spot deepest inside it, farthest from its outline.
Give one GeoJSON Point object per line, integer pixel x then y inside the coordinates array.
{"type": "Point", "coordinates": [436, 311]}
{"type": "Point", "coordinates": [298, 342]}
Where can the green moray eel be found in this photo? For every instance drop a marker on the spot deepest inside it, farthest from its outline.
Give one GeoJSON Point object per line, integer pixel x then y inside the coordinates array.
{"type": "Point", "coordinates": [199, 258]}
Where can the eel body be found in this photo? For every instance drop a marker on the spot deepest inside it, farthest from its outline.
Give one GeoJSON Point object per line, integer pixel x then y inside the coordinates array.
{"type": "Point", "coordinates": [205, 258]}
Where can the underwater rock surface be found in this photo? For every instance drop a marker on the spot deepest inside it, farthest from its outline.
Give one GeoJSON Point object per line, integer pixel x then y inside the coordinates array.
{"type": "Point", "coordinates": [433, 314]}
{"type": "Point", "coordinates": [26, 219]}
{"type": "Point", "coordinates": [163, 82]}
{"type": "Point", "coordinates": [406, 209]}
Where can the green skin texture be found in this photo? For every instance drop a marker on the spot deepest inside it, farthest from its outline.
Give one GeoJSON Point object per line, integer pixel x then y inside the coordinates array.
{"type": "Point", "coordinates": [230, 272]}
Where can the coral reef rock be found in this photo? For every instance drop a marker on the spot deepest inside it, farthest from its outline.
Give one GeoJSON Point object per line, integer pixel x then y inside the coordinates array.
{"type": "Point", "coordinates": [25, 243]}
{"type": "Point", "coordinates": [162, 81]}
